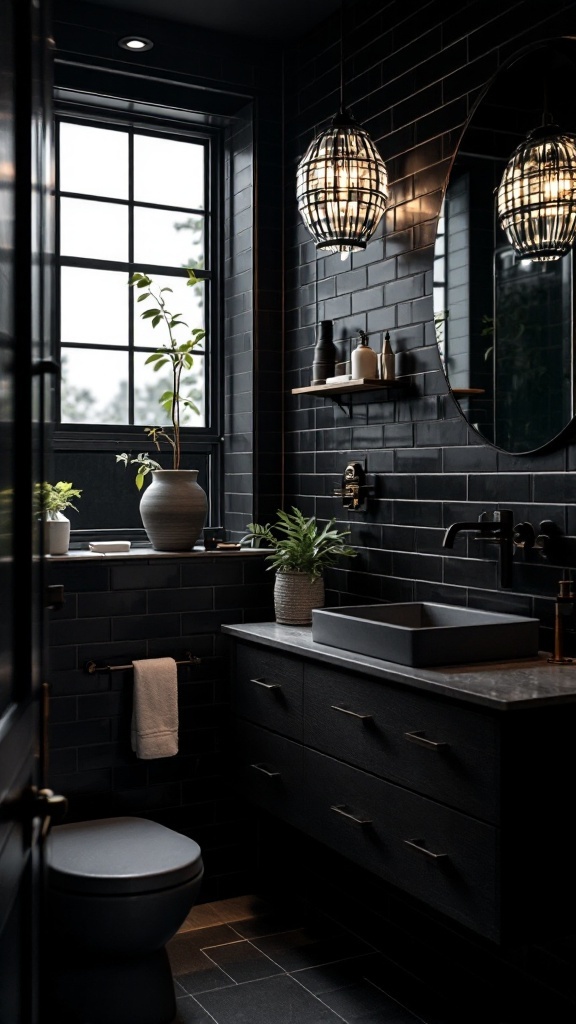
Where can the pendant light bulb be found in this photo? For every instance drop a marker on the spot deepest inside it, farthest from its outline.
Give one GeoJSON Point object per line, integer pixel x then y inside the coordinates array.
{"type": "Point", "coordinates": [536, 198]}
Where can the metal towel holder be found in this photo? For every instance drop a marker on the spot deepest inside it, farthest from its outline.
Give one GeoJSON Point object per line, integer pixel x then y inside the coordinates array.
{"type": "Point", "coordinates": [91, 666]}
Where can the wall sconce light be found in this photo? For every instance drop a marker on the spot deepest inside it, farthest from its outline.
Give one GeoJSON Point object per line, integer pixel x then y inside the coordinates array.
{"type": "Point", "coordinates": [536, 198]}
{"type": "Point", "coordinates": [342, 183]}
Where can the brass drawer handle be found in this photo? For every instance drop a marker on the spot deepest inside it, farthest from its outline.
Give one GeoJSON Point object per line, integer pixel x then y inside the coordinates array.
{"type": "Point", "coordinates": [267, 686]}
{"type": "Point", "coordinates": [418, 844]}
{"type": "Point", "coordinates": [341, 809]}
{"type": "Point", "coordinates": [420, 738]}
{"type": "Point", "coordinates": [266, 771]}
{"type": "Point", "coordinates": [354, 714]}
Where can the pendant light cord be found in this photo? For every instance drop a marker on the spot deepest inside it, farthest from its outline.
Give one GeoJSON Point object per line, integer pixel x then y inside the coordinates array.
{"type": "Point", "coordinates": [342, 57]}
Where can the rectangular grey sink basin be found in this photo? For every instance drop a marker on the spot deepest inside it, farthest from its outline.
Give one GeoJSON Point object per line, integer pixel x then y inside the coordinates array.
{"type": "Point", "coordinates": [422, 633]}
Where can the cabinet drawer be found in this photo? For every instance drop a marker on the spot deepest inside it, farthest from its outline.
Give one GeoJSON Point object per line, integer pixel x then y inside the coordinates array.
{"type": "Point", "coordinates": [269, 771]}
{"type": "Point", "coordinates": [432, 852]}
{"type": "Point", "coordinates": [268, 689]}
{"type": "Point", "coordinates": [445, 752]}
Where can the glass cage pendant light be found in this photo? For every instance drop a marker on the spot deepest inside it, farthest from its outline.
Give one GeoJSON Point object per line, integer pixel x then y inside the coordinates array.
{"type": "Point", "coordinates": [342, 186]}
{"type": "Point", "coordinates": [536, 198]}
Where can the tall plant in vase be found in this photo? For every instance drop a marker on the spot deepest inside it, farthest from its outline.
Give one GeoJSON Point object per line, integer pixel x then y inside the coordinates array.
{"type": "Point", "coordinates": [173, 507]}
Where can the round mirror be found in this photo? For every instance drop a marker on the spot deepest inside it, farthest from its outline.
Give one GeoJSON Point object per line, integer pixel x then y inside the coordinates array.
{"type": "Point", "coordinates": [505, 324]}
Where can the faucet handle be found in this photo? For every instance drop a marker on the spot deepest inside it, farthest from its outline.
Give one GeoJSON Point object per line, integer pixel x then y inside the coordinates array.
{"type": "Point", "coordinates": [524, 536]}
{"type": "Point", "coordinates": [498, 515]}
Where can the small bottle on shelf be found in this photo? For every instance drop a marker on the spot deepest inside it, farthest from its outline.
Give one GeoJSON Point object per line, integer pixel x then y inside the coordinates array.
{"type": "Point", "coordinates": [324, 353]}
{"type": "Point", "coordinates": [387, 360]}
{"type": "Point", "coordinates": [364, 360]}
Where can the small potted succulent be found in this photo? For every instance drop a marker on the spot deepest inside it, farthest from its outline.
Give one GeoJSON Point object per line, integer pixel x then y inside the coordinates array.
{"type": "Point", "coordinates": [301, 550]}
{"type": "Point", "coordinates": [51, 500]}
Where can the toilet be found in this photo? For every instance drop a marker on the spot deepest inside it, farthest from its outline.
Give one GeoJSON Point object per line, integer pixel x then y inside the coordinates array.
{"type": "Point", "coordinates": [117, 890]}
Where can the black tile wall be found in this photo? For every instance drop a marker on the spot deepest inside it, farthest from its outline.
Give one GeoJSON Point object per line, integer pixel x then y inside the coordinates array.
{"type": "Point", "coordinates": [411, 78]}
{"type": "Point", "coordinates": [121, 610]}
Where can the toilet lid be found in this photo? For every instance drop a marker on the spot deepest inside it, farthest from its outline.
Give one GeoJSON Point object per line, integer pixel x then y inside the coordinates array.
{"type": "Point", "coordinates": [126, 855]}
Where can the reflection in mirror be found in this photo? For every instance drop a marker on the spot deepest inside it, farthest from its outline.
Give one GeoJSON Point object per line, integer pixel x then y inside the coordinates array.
{"type": "Point", "coordinates": [505, 325]}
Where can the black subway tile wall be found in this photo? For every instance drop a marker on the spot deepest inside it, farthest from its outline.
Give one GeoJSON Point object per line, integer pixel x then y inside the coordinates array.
{"type": "Point", "coordinates": [118, 611]}
{"type": "Point", "coordinates": [411, 77]}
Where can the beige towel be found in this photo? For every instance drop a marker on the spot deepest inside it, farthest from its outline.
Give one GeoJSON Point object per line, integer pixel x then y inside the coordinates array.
{"type": "Point", "coordinates": [155, 708]}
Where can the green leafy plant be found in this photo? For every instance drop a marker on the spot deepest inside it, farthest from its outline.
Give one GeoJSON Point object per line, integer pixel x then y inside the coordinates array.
{"type": "Point", "coordinates": [49, 499]}
{"type": "Point", "coordinates": [300, 544]}
{"type": "Point", "coordinates": [177, 354]}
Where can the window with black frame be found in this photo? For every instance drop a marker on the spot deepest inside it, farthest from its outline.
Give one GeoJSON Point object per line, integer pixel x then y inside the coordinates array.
{"type": "Point", "coordinates": [131, 199]}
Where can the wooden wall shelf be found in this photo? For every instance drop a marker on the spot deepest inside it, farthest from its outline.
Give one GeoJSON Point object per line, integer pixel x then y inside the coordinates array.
{"type": "Point", "coordinates": [348, 387]}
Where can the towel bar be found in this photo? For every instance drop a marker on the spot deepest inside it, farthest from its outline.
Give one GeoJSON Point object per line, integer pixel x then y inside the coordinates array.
{"type": "Point", "coordinates": [91, 667]}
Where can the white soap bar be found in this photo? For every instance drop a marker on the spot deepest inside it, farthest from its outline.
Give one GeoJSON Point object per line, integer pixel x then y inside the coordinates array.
{"type": "Point", "coordinates": [109, 545]}
{"type": "Point", "coordinates": [340, 379]}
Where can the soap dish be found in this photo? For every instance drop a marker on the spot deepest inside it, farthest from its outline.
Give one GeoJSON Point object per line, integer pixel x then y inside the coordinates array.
{"type": "Point", "coordinates": [109, 546]}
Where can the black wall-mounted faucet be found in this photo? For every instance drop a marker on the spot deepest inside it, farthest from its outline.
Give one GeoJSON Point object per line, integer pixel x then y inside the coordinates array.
{"type": "Point", "coordinates": [492, 528]}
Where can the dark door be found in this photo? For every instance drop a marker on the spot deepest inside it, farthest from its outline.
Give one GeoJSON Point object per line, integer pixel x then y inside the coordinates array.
{"type": "Point", "coordinates": [25, 376]}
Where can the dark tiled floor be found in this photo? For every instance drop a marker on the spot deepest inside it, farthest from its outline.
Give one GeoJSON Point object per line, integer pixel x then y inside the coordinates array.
{"type": "Point", "coordinates": [241, 961]}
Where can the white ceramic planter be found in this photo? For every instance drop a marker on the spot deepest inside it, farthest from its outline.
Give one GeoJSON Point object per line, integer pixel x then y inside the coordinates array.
{"type": "Point", "coordinates": [56, 535]}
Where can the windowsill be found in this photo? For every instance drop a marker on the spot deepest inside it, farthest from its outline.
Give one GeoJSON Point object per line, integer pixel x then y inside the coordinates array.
{"type": "Point", "coordinates": [82, 555]}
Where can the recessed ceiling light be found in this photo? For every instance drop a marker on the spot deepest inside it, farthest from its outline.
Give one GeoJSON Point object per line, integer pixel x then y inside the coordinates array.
{"type": "Point", "coordinates": [139, 43]}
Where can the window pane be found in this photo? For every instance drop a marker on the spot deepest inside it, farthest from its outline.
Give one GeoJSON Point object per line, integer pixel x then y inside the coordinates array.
{"type": "Point", "coordinates": [184, 299]}
{"type": "Point", "coordinates": [172, 239]}
{"type": "Point", "coordinates": [94, 386]}
{"type": "Point", "coordinates": [168, 173]}
{"type": "Point", "coordinates": [91, 229]}
{"type": "Point", "coordinates": [148, 386]}
{"type": "Point", "coordinates": [93, 161]}
{"type": "Point", "coordinates": [94, 306]}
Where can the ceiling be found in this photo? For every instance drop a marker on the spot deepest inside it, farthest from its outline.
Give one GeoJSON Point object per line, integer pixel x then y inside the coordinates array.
{"type": "Point", "coordinates": [266, 19]}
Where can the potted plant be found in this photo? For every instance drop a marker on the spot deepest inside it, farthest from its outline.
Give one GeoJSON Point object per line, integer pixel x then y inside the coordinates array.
{"type": "Point", "coordinates": [301, 550]}
{"type": "Point", "coordinates": [50, 501]}
{"type": "Point", "coordinates": [173, 509]}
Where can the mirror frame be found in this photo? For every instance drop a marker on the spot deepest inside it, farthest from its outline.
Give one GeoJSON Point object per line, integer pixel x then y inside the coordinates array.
{"type": "Point", "coordinates": [567, 46]}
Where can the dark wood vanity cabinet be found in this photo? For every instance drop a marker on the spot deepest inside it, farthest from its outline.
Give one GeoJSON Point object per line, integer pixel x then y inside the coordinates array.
{"type": "Point", "coordinates": [466, 808]}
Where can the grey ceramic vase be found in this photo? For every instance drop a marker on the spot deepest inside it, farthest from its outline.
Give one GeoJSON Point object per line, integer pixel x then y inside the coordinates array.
{"type": "Point", "coordinates": [173, 509]}
{"type": "Point", "coordinates": [295, 595]}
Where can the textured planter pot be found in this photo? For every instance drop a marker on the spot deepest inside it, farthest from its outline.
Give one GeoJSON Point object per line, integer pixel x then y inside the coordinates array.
{"type": "Point", "coordinates": [295, 595]}
{"type": "Point", "coordinates": [56, 535]}
{"type": "Point", "coordinates": [173, 509]}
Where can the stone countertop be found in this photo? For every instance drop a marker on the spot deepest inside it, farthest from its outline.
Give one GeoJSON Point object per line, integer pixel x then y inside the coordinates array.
{"type": "Point", "coordinates": [501, 686]}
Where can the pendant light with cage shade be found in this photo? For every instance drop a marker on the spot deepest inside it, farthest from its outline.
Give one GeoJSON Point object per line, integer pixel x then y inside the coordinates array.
{"type": "Point", "coordinates": [342, 182]}
{"type": "Point", "coordinates": [536, 198]}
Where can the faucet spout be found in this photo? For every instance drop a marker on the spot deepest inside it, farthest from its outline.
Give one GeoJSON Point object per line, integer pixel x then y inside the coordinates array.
{"type": "Point", "coordinates": [477, 527]}
{"type": "Point", "coordinates": [491, 527]}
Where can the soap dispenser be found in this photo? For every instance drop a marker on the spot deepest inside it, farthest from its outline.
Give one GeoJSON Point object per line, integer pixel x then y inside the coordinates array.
{"type": "Point", "coordinates": [364, 360]}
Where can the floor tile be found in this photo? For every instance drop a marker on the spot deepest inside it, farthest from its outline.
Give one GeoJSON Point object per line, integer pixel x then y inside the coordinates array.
{"type": "Point", "coordinates": [272, 1001]}
{"type": "Point", "coordinates": [242, 961]}
{"type": "Point", "coordinates": [304, 947]}
{"type": "Point", "coordinates": [269, 922]}
{"type": "Point", "coordinates": [200, 974]}
{"type": "Point", "coordinates": [185, 942]}
{"type": "Point", "coordinates": [363, 1002]}
{"type": "Point", "coordinates": [190, 1012]}
{"type": "Point", "coordinates": [202, 916]}
{"type": "Point", "coordinates": [331, 977]}
{"type": "Point", "coordinates": [240, 908]}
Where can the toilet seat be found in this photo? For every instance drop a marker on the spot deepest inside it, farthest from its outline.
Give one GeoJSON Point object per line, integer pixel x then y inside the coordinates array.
{"type": "Point", "coordinates": [120, 856]}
